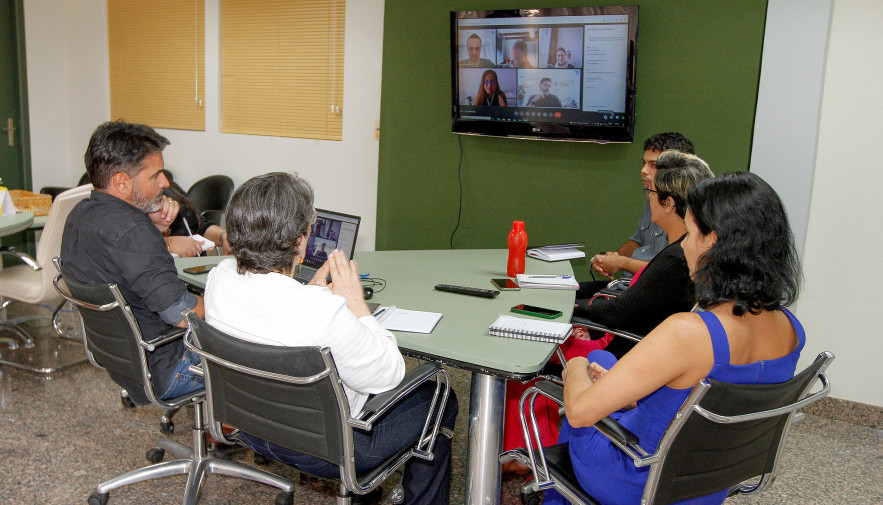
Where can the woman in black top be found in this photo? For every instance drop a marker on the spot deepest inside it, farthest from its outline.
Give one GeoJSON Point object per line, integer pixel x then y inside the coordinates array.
{"type": "Point", "coordinates": [663, 287]}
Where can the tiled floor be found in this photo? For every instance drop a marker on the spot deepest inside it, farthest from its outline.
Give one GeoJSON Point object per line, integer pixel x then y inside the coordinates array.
{"type": "Point", "coordinates": [67, 432]}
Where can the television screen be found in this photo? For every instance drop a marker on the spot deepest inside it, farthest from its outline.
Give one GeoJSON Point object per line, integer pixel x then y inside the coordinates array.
{"type": "Point", "coordinates": [556, 74]}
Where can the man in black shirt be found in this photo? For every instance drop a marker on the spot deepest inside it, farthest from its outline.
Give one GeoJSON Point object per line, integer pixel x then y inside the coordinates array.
{"type": "Point", "coordinates": [110, 239]}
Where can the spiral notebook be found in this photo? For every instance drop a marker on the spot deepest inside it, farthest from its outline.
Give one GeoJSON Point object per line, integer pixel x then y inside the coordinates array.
{"type": "Point", "coordinates": [530, 329]}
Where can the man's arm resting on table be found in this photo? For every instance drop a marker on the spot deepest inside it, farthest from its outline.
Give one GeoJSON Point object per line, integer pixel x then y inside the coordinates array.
{"type": "Point", "coordinates": [172, 314]}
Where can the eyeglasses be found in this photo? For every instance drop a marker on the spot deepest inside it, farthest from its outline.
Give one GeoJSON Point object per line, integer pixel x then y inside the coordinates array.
{"type": "Point", "coordinates": [647, 192]}
{"type": "Point", "coordinates": [490, 83]}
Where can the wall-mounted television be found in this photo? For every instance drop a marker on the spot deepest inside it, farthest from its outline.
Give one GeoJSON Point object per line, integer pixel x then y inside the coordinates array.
{"type": "Point", "coordinates": [553, 74]}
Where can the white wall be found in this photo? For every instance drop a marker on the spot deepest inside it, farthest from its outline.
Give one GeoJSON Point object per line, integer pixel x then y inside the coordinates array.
{"type": "Point", "coordinates": [66, 43]}
{"type": "Point", "coordinates": [841, 263]}
{"type": "Point", "coordinates": [816, 138]}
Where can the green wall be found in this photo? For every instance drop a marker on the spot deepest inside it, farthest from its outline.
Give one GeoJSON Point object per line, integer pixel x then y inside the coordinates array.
{"type": "Point", "coordinates": [698, 69]}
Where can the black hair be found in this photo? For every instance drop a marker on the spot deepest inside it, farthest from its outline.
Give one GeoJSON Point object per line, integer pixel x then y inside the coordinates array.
{"type": "Point", "coordinates": [669, 140]}
{"type": "Point", "coordinates": [754, 262]}
{"type": "Point", "coordinates": [118, 146]}
{"type": "Point", "coordinates": [266, 219]}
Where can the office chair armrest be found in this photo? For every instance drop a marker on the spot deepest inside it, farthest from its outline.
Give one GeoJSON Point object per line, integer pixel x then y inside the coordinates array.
{"type": "Point", "coordinates": [164, 337]}
{"type": "Point", "coordinates": [27, 259]}
{"type": "Point", "coordinates": [380, 403]}
{"type": "Point", "coordinates": [592, 325]}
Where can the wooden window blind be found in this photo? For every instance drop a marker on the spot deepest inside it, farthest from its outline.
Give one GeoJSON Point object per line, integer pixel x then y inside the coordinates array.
{"type": "Point", "coordinates": [157, 62]}
{"type": "Point", "coordinates": [282, 67]}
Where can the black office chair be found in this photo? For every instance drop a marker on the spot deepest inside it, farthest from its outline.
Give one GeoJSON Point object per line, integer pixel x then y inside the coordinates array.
{"type": "Point", "coordinates": [54, 191]}
{"type": "Point", "coordinates": [293, 397]}
{"type": "Point", "coordinates": [114, 342]}
{"type": "Point", "coordinates": [211, 193]}
{"type": "Point", "coordinates": [723, 436]}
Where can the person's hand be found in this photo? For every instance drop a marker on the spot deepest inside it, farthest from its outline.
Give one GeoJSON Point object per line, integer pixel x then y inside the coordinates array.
{"type": "Point", "coordinates": [225, 245]}
{"type": "Point", "coordinates": [163, 217]}
{"type": "Point", "coordinates": [184, 247]}
{"type": "Point", "coordinates": [345, 282]}
{"type": "Point", "coordinates": [596, 371]}
{"type": "Point", "coordinates": [573, 365]}
{"type": "Point", "coordinates": [607, 264]}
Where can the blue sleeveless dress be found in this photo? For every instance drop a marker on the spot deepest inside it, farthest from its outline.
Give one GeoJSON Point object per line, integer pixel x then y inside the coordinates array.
{"type": "Point", "coordinates": [607, 474]}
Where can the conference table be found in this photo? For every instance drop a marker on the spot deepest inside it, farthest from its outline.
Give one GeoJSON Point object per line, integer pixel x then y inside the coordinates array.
{"type": "Point", "coordinates": [14, 223]}
{"type": "Point", "coordinates": [461, 337]}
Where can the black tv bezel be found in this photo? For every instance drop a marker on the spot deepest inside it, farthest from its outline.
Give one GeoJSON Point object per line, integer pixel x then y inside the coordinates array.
{"type": "Point", "coordinates": [548, 130]}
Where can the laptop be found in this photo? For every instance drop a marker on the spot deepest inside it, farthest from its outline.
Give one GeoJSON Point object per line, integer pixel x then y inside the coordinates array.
{"type": "Point", "coordinates": [332, 230]}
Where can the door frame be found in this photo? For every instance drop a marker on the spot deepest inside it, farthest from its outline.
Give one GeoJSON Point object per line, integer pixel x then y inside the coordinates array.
{"type": "Point", "coordinates": [23, 124]}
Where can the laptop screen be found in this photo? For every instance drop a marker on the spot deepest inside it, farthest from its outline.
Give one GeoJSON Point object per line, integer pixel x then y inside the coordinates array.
{"type": "Point", "coordinates": [332, 230]}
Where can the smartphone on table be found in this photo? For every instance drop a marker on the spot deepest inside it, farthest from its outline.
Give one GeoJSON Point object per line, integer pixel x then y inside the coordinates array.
{"type": "Point", "coordinates": [505, 284]}
{"type": "Point", "coordinates": [533, 310]}
{"type": "Point", "coordinates": [199, 269]}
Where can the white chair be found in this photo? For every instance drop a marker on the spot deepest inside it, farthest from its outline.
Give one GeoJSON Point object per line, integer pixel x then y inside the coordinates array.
{"type": "Point", "coordinates": [32, 283]}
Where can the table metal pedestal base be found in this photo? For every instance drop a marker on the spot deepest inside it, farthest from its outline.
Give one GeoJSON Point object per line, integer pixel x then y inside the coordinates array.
{"type": "Point", "coordinates": [486, 408]}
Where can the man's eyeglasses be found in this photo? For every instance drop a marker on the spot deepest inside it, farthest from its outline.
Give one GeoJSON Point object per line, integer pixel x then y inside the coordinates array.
{"type": "Point", "coordinates": [490, 83]}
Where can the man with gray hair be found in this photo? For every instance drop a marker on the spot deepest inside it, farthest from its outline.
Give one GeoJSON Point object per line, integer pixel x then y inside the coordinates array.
{"type": "Point", "coordinates": [110, 239]}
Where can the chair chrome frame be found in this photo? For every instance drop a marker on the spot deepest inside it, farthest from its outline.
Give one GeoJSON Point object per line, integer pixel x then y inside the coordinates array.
{"type": "Point", "coordinates": [196, 462]}
{"type": "Point", "coordinates": [546, 477]}
{"type": "Point", "coordinates": [374, 409]}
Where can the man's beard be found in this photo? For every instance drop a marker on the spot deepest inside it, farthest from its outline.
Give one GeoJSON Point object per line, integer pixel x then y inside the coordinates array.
{"type": "Point", "coordinates": [141, 201]}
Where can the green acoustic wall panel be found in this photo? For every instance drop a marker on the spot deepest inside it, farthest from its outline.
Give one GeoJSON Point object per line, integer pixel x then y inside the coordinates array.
{"type": "Point", "coordinates": [698, 69]}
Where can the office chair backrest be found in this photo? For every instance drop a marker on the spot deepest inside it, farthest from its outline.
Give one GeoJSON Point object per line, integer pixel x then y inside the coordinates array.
{"type": "Point", "coordinates": [50, 239]}
{"type": "Point", "coordinates": [211, 193]}
{"type": "Point", "coordinates": [704, 456]}
{"type": "Point", "coordinates": [111, 333]}
{"type": "Point", "coordinates": [242, 392]}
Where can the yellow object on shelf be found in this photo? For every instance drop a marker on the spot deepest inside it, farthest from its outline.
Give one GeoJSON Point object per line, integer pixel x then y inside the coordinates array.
{"type": "Point", "coordinates": [34, 203]}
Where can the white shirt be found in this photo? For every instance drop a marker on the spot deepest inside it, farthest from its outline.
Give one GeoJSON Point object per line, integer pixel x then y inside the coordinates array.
{"type": "Point", "coordinates": [275, 309]}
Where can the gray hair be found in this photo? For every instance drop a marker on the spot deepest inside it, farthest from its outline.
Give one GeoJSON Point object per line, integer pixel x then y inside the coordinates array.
{"type": "Point", "coordinates": [677, 173]}
{"type": "Point", "coordinates": [118, 146]}
{"type": "Point", "coordinates": [267, 217]}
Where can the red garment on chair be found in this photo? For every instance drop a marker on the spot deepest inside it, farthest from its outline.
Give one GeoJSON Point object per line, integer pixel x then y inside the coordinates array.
{"type": "Point", "coordinates": [546, 410]}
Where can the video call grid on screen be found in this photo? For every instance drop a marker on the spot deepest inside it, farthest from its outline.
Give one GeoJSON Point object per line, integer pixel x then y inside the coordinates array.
{"type": "Point", "coordinates": [331, 231]}
{"type": "Point", "coordinates": [589, 76]}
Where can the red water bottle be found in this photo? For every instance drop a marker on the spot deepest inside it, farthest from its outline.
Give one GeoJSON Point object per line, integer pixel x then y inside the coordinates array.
{"type": "Point", "coordinates": [517, 249]}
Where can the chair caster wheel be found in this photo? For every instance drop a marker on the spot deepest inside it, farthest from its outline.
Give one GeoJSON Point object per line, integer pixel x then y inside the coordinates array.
{"type": "Point", "coordinates": [167, 427]}
{"type": "Point", "coordinates": [530, 498]}
{"type": "Point", "coordinates": [155, 455]}
{"type": "Point", "coordinates": [284, 499]}
{"type": "Point", "coordinates": [127, 402]}
{"type": "Point", "coordinates": [98, 499]}
{"type": "Point", "coordinates": [260, 459]}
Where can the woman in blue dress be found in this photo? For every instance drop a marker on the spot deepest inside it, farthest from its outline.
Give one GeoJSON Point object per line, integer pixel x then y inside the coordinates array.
{"type": "Point", "coordinates": [741, 256]}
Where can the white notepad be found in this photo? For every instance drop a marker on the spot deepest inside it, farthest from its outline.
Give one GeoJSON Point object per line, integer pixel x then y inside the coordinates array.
{"type": "Point", "coordinates": [557, 252]}
{"type": "Point", "coordinates": [414, 321]}
{"type": "Point", "coordinates": [530, 329]}
{"type": "Point", "coordinates": [543, 281]}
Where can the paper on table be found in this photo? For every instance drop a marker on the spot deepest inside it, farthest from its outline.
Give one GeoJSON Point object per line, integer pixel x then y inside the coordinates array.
{"type": "Point", "coordinates": [415, 321]}
{"type": "Point", "coordinates": [556, 253]}
{"type": "Point", "coordinates": [547, 281]}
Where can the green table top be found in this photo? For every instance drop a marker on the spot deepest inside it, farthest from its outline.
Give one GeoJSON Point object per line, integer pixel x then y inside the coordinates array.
{"type": "Point", "coordinates": [461, 337]}
{"type": "Point", "coordinates": [12, 223]}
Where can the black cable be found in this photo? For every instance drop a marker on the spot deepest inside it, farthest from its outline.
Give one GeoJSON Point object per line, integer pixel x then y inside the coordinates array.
{"type": "Point", "coordinates": [373, 283]}
{"type": "Point", "coordinates": [459, 188]}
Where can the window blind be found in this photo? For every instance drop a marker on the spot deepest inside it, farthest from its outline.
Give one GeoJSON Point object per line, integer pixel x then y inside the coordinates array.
{"type": "Point", "coordinates": [157, 62]}
{"type": "Point", "coordinates": [282, 67]}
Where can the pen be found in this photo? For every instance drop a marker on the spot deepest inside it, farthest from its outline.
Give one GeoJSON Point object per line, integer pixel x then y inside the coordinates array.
{"type": "Point", "coordinates": [381, 311]}
{"type": "Point", "coordinates": [548, 277]}
{"type": "Point", "coordinates": [190, 233]}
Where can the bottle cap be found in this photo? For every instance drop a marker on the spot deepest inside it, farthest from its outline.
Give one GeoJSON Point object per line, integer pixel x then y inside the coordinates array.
{"type": "Point", "coordinates": [518, 225]}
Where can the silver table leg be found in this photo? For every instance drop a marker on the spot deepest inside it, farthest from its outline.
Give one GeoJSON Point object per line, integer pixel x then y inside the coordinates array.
{"type": "Point", "coordinates": [486, 406]}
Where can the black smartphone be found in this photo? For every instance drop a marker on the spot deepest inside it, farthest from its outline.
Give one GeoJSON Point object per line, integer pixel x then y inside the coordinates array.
{"type": "Point", "coordinates": [505, 284]}
{"type": "Point", "coordinates": [533, 310]}
{"type": "Point", "coordinates": [199, 269]}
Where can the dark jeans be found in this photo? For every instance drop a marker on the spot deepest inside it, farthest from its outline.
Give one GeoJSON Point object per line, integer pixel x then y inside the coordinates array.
{"type": "Point", "coordinates": [424, 482]}
{"type": "Point", "coordinates": [183, 380]}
